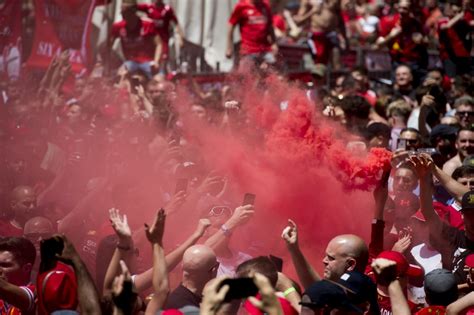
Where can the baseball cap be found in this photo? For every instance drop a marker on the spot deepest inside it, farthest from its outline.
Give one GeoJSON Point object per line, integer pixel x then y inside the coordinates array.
{"type": "Point", "coordinates": [443, 130]}
{"type": "Point", "coordinates": [328, 294]}
{"type": "Point", "coordinates": [467, 201]}
{"type": "Point", "coordinates": [57, 289]}
{"type": "Point", "coordinates": [413, 272]}
{"type": "Point", "coordinates": [360, 286]}
{"type": "Point", "coordinates": [441, 287]}
{"type": "Point", "coordinates": [469, 262]}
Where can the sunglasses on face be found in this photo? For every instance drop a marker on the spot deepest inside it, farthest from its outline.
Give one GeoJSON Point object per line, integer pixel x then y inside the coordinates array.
{"type": "Point", "coordinates": [217, 211]}
{"type": "Point", "coordinates": [462, 114]}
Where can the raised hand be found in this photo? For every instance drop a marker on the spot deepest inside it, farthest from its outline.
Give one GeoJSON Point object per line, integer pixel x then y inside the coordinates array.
{"type": "Point", "coordinates": [213, 296]}
{"type": "Point", "coordinates": [69, 253]}
{"type": "Point", "coordinates": [290, 234]}
{"type": "Point", "coordinates": [123, 294]}
{"type": "Point", "coordinates": [403, 243]}
{"type": "Point", "coordinates": [154, 233]}
{"type": "Point", "coordinates": [268, 303]}
{"type": "Point", "coordinates": [120, 226]}
{"type": "Point", "coordinates": [240, 216]}
{"type": "Point", "coordinates": [423, 164]}
{"type": "Point", "coordinates": [203, 225]}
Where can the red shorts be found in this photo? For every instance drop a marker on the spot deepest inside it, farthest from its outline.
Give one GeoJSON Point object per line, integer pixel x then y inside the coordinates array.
{"type": "Point", "coordinates": [320, 47]}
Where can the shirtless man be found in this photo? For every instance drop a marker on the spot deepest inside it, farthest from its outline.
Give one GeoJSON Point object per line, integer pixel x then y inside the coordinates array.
{"type": "Point", "coordinates": [326, 27]}
{"type": "Point", "coordinates": [465, 147]}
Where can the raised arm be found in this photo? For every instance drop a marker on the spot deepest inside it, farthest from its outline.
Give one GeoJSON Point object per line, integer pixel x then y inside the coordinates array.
{"type": "Point", "coordinates": [144, 280]}
{"type": "Point", "coordinates": [15, 295]}
{"type": "Point", "coordinates": [305, 271]}
{"type": "Point", "coordinates": [87, 292]}
{"type": "Point", "coordinates": [161, 288]}
{"type": "Point", "coordinates": [124, 249]}
{"type": "Point", "coordinates": [240, 216]}
{"type": "Point", "coordinates": [423, 165]}
{"type": "Point", "coordinates": [455, 189]}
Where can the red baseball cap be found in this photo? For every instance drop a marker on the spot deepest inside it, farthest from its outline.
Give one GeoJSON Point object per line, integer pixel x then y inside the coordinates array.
{"type": "Point", "coordinates": [469, 261]}
{"type": "Point", "coordinates": [414, 273]}
{"type": "Point", "coordinates": [57, 289]}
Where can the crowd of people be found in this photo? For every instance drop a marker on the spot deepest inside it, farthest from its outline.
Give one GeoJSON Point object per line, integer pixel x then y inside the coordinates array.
{"type": "Point", "coordinates": [89, 157]}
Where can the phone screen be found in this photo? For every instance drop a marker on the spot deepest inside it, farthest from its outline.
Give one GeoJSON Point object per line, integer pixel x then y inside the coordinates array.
{"type": "Point", "coordinates": [402, 144]}
{"type": "Point", "coordinates": [239, 288]}
{"type": "Point", "coordinates": [249, 199]}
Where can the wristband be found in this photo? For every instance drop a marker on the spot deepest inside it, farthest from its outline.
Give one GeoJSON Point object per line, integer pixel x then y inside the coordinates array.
{"type": "Point", "coordinates": [288, 291]}
{"type": "Point", "coordinates": [225, 230]}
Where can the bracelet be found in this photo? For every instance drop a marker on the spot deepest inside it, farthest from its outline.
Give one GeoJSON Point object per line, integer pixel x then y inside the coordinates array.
{"type": "Point", "coordinates": [288, 291]}
{"type": "Point", "coordinates": [225, 230]}
{"type": "Point", "coordinates": [124, 247]}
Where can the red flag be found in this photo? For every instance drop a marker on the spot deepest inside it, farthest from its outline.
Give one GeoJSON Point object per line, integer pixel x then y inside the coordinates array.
{"type": "Point", "coordinates": [62, 25]}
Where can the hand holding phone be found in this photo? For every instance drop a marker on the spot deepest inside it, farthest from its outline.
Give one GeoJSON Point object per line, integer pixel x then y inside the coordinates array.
{"type": "Point", "coordinates": [181, 185]}
{"type": "Point", "coordinates": [239, 288]}
{"type": "Point", "coordinates": [249, 199]}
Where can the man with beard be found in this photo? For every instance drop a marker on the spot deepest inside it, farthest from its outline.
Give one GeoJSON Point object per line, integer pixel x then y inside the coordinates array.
{"type": "Point", "coordinates": [465, 147]}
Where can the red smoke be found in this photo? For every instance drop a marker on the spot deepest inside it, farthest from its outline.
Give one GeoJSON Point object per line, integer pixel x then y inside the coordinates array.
{"type": "Point", "coordinates": [297, 164]}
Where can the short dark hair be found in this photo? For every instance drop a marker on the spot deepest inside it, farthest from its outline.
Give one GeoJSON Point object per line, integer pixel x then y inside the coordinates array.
{"type": "Point", "coordinates": [463, 171]}
{"type": "Point", "coordinates": [22, 249]}
{"type": "Point", "coordinates": [464, 129]}
{"type": "Point", "coordinates": [261, 264]}
{"type": "Point", "coordinates": [356, 106]}
{"type": "Point", "coordinates": [361, 69]}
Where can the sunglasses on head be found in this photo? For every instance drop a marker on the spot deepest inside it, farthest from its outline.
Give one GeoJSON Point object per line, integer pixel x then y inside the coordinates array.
{"type": "Point", "coordinates": [217, 211]}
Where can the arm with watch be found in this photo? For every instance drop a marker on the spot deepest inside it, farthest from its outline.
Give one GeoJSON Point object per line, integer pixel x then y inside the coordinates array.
{"type": "Point", "coordinates": [240, 216]}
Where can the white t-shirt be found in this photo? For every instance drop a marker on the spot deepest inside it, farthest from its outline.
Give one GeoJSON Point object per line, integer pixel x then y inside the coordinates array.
{"type": "Point", "coordinates": [428, 258]}
{"type": "Point", "coordinates": [227, 266]}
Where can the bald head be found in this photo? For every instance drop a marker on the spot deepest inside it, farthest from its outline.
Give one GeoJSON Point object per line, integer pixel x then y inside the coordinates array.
{"type": "Point", "coordinates": [199, 258]}
{"type": "Point", "coordinates": [37, 229]}
{"type": "Point", "coordinates": [38, 225]}
{"type": "Point", "coordinates": [345, 253]}
{"type": "Point", "coordinates": [22, 203]}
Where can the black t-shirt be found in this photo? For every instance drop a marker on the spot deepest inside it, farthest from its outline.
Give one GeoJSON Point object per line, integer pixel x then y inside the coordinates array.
{"type": "Point", "coordinates": [460, 247]}
{"type": "Point", "coordinates": [181, 297]}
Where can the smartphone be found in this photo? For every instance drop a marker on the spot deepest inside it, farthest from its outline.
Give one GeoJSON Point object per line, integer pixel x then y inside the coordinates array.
{"type": "Point", "coordinates": [239, 288]}
{"type": "Point", "coordinates": [134, 83]}
{"type": "Point", "coordinates": [249, 199]}
{"type": "Point", "coordinates": [181, 185]}
{"type": "Point", "coordinates": [402, 144]}
{"type": "Point", "coordinates": [277, 261]}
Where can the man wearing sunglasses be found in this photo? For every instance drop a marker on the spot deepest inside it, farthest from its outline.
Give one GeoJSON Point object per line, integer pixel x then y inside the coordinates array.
{"type": "Point", "coordinates": [464, 146]}
{"type": "Point", "coordinates": [224, 221]}
{"type": "Point", "coordinates": [465, 111]}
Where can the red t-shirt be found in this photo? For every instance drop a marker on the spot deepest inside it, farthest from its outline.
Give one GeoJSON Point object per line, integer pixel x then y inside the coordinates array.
{"type": "Point", "coordinates": [162, 17]}
{"type": "Point", "coordinates": [8, 229]}
{"type": "Point", "coordinates": [386, 307]}
{"type": "Point", "coordinates": [8, 309]}
{"type": "Point", "coordinates": [455, 42]}
{"type": "Point", "coordinates": [138, 47]}
{"type": "Point", "coordinates": [255, 24]}
{"type": "Point", "coordinates": [403, 49]}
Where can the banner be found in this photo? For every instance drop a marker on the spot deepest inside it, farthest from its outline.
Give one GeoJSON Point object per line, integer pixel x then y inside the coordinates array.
{"type": "Point", "coordinates": [60, 25]}
{"type": "Point", "coordinates": [10, 37]}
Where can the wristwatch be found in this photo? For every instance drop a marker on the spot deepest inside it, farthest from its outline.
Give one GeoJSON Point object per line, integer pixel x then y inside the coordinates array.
{"type": "Point", "coordinates": [226, 230]}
